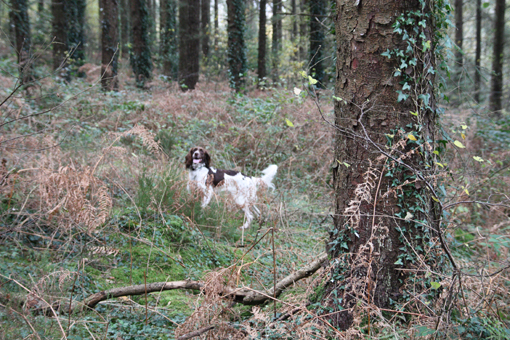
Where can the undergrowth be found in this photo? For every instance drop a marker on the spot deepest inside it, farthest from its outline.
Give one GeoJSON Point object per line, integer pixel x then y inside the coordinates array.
{"type": "Point", "coordinates": [93, 197]}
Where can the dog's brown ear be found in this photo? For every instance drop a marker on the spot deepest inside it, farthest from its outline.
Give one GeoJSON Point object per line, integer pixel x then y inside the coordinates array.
{"type": "Point", "coordinates": [207, 159]}
{"type": "Point", "coordinates": [189, 159]}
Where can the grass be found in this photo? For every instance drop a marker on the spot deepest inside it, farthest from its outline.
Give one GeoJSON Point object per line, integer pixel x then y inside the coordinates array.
{"type": "Point", "coordinates": [156, 231]}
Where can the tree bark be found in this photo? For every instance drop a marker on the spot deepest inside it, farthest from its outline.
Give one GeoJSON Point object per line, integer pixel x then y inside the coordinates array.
{"type": "Point", "coordinates": [459, 35]}
{"type": "Point", "coordinates": [261, 58]}
{"type": "Point", "coordinates": [141, 59]}
{"type": "Point", "coordinates": [317, 11]}
{"type": "Point", "coordinates": [495, 105]}
{"type": "Point", "coordinates": [478, 53]}
{"type": "Point", "coordinates": [369, 238]}
{"type": "Point", "coordinates": [60, 29]}
{"type": "Point", "coordinates": [168, 38]}
{"type": "Point", "coordinates": [109, 43]}
{"type": "Point", "coordinates": [124, 28]}
{"type": "Point", "coordinates": [216, 24]}
{"type": "Point", "coordinates": [236, 54]}
{"type": "Point", "coordinates": [76, 32]}
{"type": "Point", "coordinates": [189, 43]}
{"type": "Point", "coordinates": [205, 26]}
{"type": "Point", "coordinates": [276, 39]}
{"type": "Point", "coordinates": [21, 21]}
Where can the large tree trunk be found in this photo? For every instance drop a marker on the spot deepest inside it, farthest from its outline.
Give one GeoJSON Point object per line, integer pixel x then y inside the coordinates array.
{"type": "Point", "coordinates": [168, 40]}
{"type": "Point", "coordinates": [141, 60]}
{"type": "Point", "coordinates": [60, 29]}
{"type": "Point", "coordinates": [21, 21]}
{"type": "Point", "coordinates": [373, 232]}
{"type": "Point", "coordinates": [317, 15]}
{"type": "Point", "coordinates": [205, 26]}
{"type": "Point", "coordinates": [478, 53]}
{"type": "Point", "coordinates": [236, 46]}
{"type": "Point", "coordinates": [261, 58]}
{"type": "Point", "coordinates": [189, 43]}
{"type": "Point", "coordinates": [497, 61]}
{"type": "Point", "coordinates": [459, 35]}
{"type": "Point", "coordinates": [109, 43]}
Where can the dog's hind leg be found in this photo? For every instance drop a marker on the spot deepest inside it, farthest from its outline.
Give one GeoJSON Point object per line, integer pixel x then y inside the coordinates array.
{"type": "Point", "coordinates": [248, 217]}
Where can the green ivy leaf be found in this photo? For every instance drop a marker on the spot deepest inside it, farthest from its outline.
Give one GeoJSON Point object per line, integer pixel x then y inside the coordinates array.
{"type": "Point", "coordinates": [435, 285]}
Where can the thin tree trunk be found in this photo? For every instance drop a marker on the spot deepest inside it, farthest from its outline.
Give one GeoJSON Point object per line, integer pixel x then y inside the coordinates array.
{"type": "Point", "coordinates": [303, 31]}
{"type": "Point", "coordinates": [459, 35]}
{"type": "Point", "coordinates": [495, 105]}
{"type": "Point", "coordinates": [124, 28]}
{"type": "Point", "coordinates": [369, 240]}
{"type": "Point", "coordinates": [205, 26]}
{"type": "Point", "coordinates": [216, 24]}
{"type": "Point", "coordinates": [236, 54]}
{"type": "Point", "coordinates": [276, 41]}
{"type": "Point", "coordinates": [141, 59]}
{"type": "Point", "coordinates": [75, 12]}
{"type": "Point", "coordinates": [261, 59]}
{"type": "Point", "coordinates": [478, 54]}
{"type": "Point", "coordinates": [21, 21]}
{"type": "Point", "coordinates": [317, 11]}
{"type": "Point", "coordinates": [60, 29]}
{"type": "Point", "coordinates": [109, 42]}
{"type": "Point", "coordinates": [189, 43]}
{"type": "Point", "coordinates": [168, 38]}
{"type": "Point", "coordinates": [294, 30]}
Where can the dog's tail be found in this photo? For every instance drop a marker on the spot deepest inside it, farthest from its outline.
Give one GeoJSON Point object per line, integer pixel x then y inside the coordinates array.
{"type": "Point", "coordinates": [269, 174]}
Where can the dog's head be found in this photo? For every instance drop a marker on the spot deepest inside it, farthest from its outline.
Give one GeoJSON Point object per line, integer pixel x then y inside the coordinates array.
{"type": "Point", "coordinates": [197, 157]}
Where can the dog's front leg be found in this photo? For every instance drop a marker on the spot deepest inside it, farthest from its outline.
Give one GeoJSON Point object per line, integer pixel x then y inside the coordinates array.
{"type": "Point", "coordinates": [208, 194]}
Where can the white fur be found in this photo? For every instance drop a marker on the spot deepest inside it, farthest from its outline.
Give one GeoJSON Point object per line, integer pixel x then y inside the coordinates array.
{"type": "Point", "coordinates": [241, 189]}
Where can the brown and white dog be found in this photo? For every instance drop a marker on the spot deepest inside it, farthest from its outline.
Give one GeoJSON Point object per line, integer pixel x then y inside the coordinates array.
{"type": "Point", "coordinates": [241, 189]}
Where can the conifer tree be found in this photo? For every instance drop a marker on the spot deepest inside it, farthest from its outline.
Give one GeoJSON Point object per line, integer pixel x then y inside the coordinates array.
{"type": "Point", "coordinates": [21, 21]}
{"type": "Point", "coordinates": [236, 54]}
{"type": "Point", "coordinates": [168, 38]}
{"type": "Point", "coordinates": [189, 43]}
{"type": "Point", "coordinates": [141, 59]}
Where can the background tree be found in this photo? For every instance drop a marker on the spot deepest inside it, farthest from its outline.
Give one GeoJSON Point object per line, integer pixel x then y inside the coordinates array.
{"type": "Point", "coordinates": [110, 44]}
{"type": "Point", "coordinates": [478, 50]}
{"type": "Point", "coordinates": [141, 60]}
{"type": "Point", "coordinates": [368, 237]}
{"type": "Point", "coordinates": [205, 21]}
{"type": "Point", "coordinates": [75, 12]}
{"type": "Point", "coordinates": [19, 16]}
{"type": "Point", "coordinates": [261, 58]}
{"type": "Point", "coordinates": [60, 39]}
{"type": "Point", "coordinates": [40, 6]}
{"type": "Point", "coordinates": [168, 37]}
{"type": "Point", "coordinates": [216, 24]}
{"type": "Point", "coordinates": [276, 38]}
{"type": "Point", "coordinates": [317, 15]}
{"type": "Point", "coordinates": [459, 35]}
{"type": "Point", "coordinates": [236, 54]}
{"type": "Point", "coordinates": [189, 43]}
{"type": "Point", "coordinates": [497, 61]}
{"type": "Point", "coordinates": [124, 28]}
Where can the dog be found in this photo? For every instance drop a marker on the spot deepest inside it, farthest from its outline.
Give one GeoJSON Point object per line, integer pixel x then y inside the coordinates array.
{"type": "Point", "coordinates": [243, 190]}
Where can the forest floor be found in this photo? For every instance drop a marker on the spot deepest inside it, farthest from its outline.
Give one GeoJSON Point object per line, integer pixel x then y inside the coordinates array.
{"type": "Point", "coordinates": [93, 197]}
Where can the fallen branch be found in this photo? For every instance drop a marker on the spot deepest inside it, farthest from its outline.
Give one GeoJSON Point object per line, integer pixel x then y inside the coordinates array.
{"type": "Point", "coordinates": [246, 296]}
{"type": "Point", "coordinates": [195, 333]}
